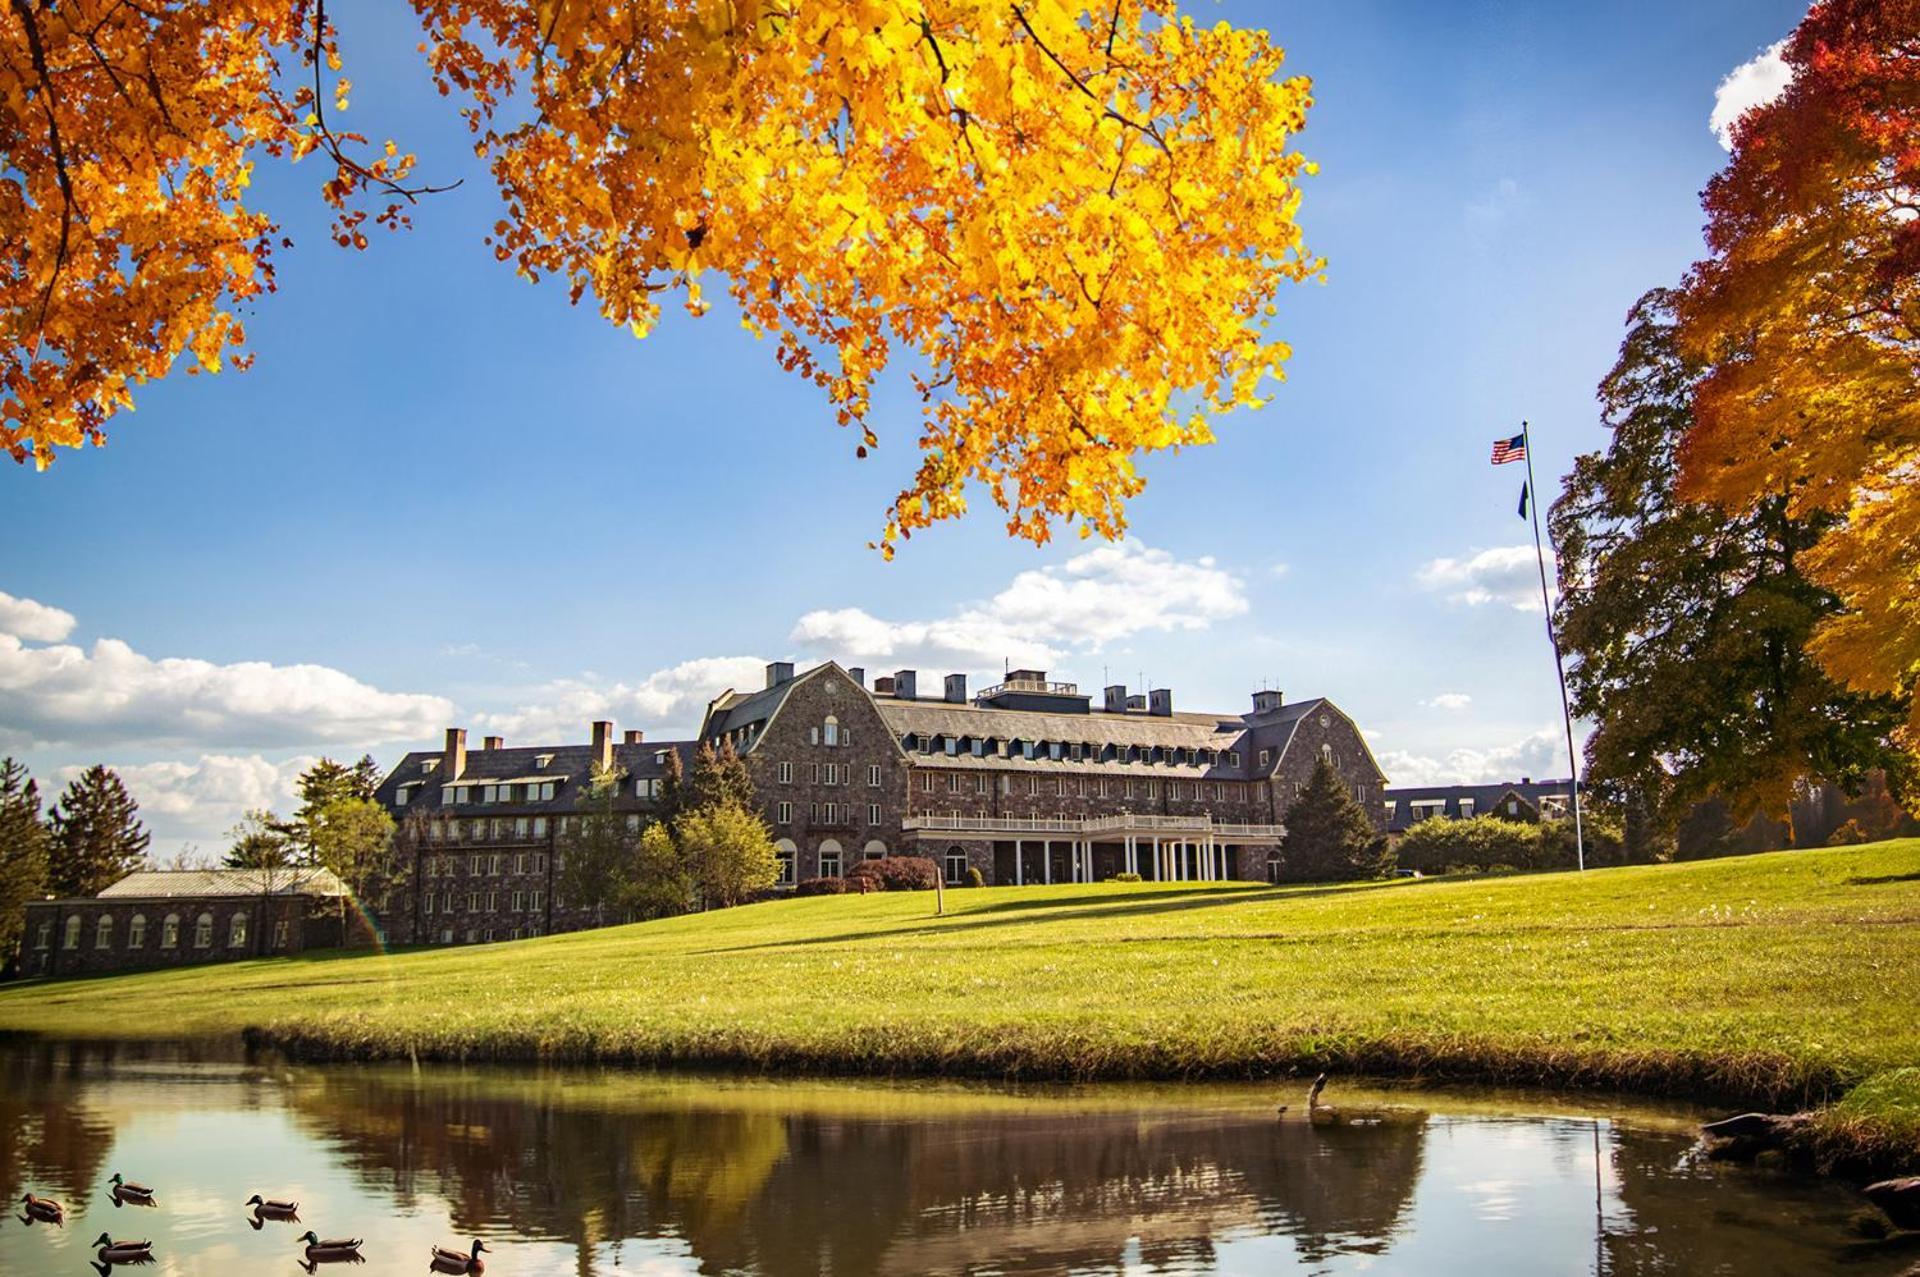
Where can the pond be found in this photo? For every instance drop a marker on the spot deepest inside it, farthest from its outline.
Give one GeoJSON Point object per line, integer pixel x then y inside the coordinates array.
{"type": "Point", "coordinates": [608, 1173]}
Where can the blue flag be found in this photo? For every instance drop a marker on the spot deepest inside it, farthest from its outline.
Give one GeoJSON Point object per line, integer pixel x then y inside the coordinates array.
{"type": "Point", "coordinates": [1523, 498]}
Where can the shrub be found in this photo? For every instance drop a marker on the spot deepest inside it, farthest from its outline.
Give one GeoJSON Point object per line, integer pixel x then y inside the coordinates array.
{"type": "Point", "coordinates": [821, 887]}
{"type": "Point", "coordinates": [1442, 843]}
{"type": "Point", "coordinates": [1125, 877]}
{"type": "Point", "coordinates": [896, 873]}
{"type": "Point", "coordinates": [975, 878]}
{"type": "Point", "coordinates": [1849, 835]}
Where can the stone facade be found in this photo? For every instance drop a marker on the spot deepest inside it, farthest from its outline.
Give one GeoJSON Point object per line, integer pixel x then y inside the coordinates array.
{"type": "Point", "coordinates": [1026, 782]}
{"type": "Point", "coordinates": [164, 919]}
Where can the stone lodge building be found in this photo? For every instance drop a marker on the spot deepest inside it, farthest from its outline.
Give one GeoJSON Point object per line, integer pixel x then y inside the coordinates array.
{"type": "Point", "coordinates": [1525, 799]}
{"type": "Point", "coordinates": [165, 918]}
{"type": "Point", "coordinates": [1028, 781]}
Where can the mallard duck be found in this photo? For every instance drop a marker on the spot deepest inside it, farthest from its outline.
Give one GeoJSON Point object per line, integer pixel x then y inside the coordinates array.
{"type": "Point", "coordinates": [327, 1249]}
{"type": "Point", "coordinates": [114, 1252]}
{"type": "Point", "coordinates": [446, 1260]}
{"type": "Point", "coordinates": [138, 1194]}
{"type": "Point", "coordinates": [269, 1209]}
{"type": "Point", "coordinates": [44, 1209]}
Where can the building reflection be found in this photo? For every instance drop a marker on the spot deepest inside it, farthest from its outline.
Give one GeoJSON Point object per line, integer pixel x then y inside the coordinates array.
{"type": "Point", "coordinates": [801, 1193]}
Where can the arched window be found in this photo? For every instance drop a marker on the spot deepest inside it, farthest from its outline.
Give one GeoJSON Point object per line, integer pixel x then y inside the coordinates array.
{"type": "Point", "coordinates": [1274, 867]}
{"type": "Point", "coordinates": [875, 849]}
{"type": "Point", "coordinates": [829, 859]}
{"type": "Point", "coordinates": [831, 730]}
{"type": "Point", "coordinates": [237, 931]}
{"type": "Point", "coordinates": [72, 939]}
{"type": "Point", "coordinates": [203, 931]}
{"type": "Point", "coordinates": [170, 932]}
{"type": "Point", "coordinates": [784, 851]}
{"type": "Point", "coordinates": [137, 932]}
{"type": "Point", "coordinates": [956, 866]}
{"type": "Point", "coordinates": [1326, 754]}
{"type": "Point", "coordinates": [103, 931]}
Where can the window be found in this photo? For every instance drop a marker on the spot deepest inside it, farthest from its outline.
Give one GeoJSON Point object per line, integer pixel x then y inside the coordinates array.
{"type": "Point", "coordinates": [1103, 786]}
{"type": "Point", "coordinates": [493, 901]}
{"type": "Point", "coordinates": [437, 831]}
{"type": "Point", "coordinates": [103, 932]}
{"type": "Point", "coordinates": [953, 782]}
{"type": "Point", "coordinates": [44, 940]}
{"type": "Point", "coordinates": [1153, 789]}
{"type": "Point", "coordinates": [538, 901]}
{"type": "Point", "coordinates": [237, 931]}
{"type": "Point", "coordinates": [785, 814]}
{"type": "Point", "coordinates": [426, 903]}
{"type": "Point", "coordinates": [1326, 755]}
{"type": "Point", "coordinates": [473, 902]}
{"type": "Point", "coordinates": [521, 826]}
{"type": "Point", "coordinates": [829, 859]}
{"type": "Point", "coordinates": [981, 782]}
{"type": "Point", "coordinates": [783, 852]}
{"type": "Point", "coordinates": [832, 814]}
{"type": "Point", "coordinates": [786, 773]}
{"type": "Point", "coordinates": [1466, 807]}
{"type": "Point", "coordinates": [633, 823]}
{"type": "Point", "coordinates": [401, 795]}
{"type": "Point", "coordinates": [479, 831]}
{"type": "Point", "coordinates": [280, 936]}
{"type": "Point", "coordinates": [1033, 785]}
{"type": "Point", "coordinates": [953, 745]}
{"type": "Point", "coordinates": [475, 863]}
{"type": "Point", "coordinates": [1266, 756]}
{"type": "Point", "coordinates": [495, 863]}
{"type": "Point", "coordinates": [539, 826]}
{"type": "Point", "coordinates": [519, 901]}
{"type": "Point", "coordinates": [546, 789]}
{"type": "Point", "coordinates": [1060, 786]}
{"type": "Point", "coordinates": [446, 902]}
{"type": "Point", "coordinates": [830, 732]}
{"type": "Point", "coordinates": [956, 866]}
{"type": "Point", "coordinates": [1553, 807]}
{"type": "Point", "coordinates": [520, 863]}
{"type": "Point", "coordinates": [1428, 808]}
{"type": "Point", "coordinates": [926, 782]}
{"type": "Point", "coordinates": [1233, 758]}
{"type": "Point", "coordinates": [170, 932]}
{"type": "Point", "coordinates": [203, 931]}
{"type": "Point", "coordinates": [1273, 867]}
{"type": "Point", "coordinates": [873, 777]}
{"type": "Point", "coordinates": [539, 862]}
{"type": "Point", "coordinates": [137, 932]}
{"type": "Point", "coordinates": [873, 813]}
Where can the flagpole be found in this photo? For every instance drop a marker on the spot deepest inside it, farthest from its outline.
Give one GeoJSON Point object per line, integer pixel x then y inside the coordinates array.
{"type": "Point", "coordinates": [1559, 665]}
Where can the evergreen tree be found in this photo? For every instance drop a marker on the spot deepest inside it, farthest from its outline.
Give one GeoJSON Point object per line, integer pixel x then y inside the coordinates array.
{"type": "Point", "coordinates": [1329, 837]}
{"type": "Point", "coordinates": [1686, 625]}
{"type": "Point", "coordinates": [23, 854]}
{"type": "Point", "coordinates": [260, 841]}
{"type": "Point", "coordinates": [674, 795]}
{"type": "Point", "coordinates": [596, 857]}
{"type": "Point", "coordinates": [720, 777]}
{"type": "Point", "coordinates": [320, 786]}
{"type": "Point", "coordinates": [97, 835]}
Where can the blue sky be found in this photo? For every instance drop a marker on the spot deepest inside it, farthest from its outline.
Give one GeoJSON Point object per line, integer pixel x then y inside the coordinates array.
{"type": "Point", "coordinates": [443, 495]}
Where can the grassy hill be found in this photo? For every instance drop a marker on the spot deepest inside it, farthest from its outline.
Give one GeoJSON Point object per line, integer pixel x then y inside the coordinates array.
{"type": "Point", "coordinates": [1781, 978]}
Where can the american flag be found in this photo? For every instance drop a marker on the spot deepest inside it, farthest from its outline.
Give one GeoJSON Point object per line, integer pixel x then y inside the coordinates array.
{"type": "Point", "coordinates": [1505, 450]}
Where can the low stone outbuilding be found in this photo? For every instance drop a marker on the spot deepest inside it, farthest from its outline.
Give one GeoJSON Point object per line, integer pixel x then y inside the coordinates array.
{"type": "Point", "coordinates": [164, 918]}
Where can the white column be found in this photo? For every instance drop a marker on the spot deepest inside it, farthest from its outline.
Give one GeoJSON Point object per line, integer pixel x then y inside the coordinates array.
{"type": "Point", "coordinates": [1019, 865]}
{"type": "Point", "coordinates": [1046, 861]}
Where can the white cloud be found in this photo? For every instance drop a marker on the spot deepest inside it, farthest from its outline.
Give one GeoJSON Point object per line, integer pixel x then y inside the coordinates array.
{"type": "Point", "coordinates": [1753, 83]}
{"type": "Point", "coordinates": [200, 801]}
{"type": "Point", "coordinates": [1541, 755]}
{"type": "Point", "coordinates": [1279, 570]}
{"type": "Point", "coordinates": [62, 694]}
{"type": "Point", "coordinates": [1449, 701]}
{"type": "Point", "coordinates": [1102, 596]}
{"type": "Point", "coordinates": [36, 622]}
{"type": "Point", "coordinates": [668, 703]}
{"type": "Point", "coordinates": [1505, 574]}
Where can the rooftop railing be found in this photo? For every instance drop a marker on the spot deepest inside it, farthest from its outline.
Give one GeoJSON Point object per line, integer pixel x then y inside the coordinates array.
{"type": "Point", "coordinates": [1041, 686]}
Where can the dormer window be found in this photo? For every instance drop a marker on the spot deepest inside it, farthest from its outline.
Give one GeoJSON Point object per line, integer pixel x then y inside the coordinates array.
{"type": "Point", "coordinates": [541, 760]}
{"type": "Point", "coordinates": [1266, 756]}
{"type": "Point", "coordinates": [428, 764]}
{"type": "Point", "coordinates": [979, 747]}
{"type": "Point", "coordinates": [660, 758]}
{"type": "Point", "coordinates": [953, 745]}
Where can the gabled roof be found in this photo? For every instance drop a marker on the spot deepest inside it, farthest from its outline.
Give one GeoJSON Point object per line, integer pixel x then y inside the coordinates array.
{"type": "Point", "coordinates": [152, 884]}
{"type": "Point", "coordinates": [570, 765]}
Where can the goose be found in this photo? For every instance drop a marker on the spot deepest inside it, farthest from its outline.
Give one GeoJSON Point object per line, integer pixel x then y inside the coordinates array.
{"type": "Point", "coordinates": [113, 1252]}
{"type": "Point", "coordinates": [447, 1260]}
{"type": "Point", "coordinates": [44, 1209]}
{"type": "Point", "coordinates": [138, 1194]}
{"type": "Point", "coordinates": [267, 1208]}
{"type": "Point", "coordinates": [331, 1249]}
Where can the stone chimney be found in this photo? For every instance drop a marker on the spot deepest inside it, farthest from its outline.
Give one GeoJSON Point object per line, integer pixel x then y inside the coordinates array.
{"type": "Point", "coordinates": [1117, 698]}
{"type": "Point", "coordinates": [1160, 701]}
{"type": "Point", "coordinates": [633, 736]}
{"type": "Point", "coordinates": [603, 744]}
{"type": "Point", "coordinates": [491, 742]}
{"type": "Point", "coordinates": [904, 684]}
{"type": "Point", "coordinates": [1268, 701]}
{"type": "Point", "coordinates": [1136, 703]}
{"type": "Point", "coordinates": [455, 759]}
{"type": "Point", "coordinates": [858, 674]}
{"type": "Point", "coordinates": [779, 672]}
{"type": "Point", "coordinates": [883, 686]}
{"type": "Point", "coordinates": [956, 689]}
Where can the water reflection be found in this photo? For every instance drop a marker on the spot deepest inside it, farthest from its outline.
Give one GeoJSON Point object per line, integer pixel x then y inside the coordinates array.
{"type": "Point", "coordinates": [612, 1174]}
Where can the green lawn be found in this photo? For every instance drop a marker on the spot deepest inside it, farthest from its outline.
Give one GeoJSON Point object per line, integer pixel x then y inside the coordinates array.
{"type": "Point", "coordinates": [1782, 979]}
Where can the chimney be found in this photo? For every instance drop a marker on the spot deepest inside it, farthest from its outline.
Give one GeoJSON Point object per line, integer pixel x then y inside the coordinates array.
{"type": "Point", "coordinates": [1526, 780]}
{"type": "Point", "coordinates": [633, 736]}
{"type": "Point", "coordinates": [491, 742]}
{"type": "Point", "coordinates": [1136, 702]}
{"type": "Point", "coordinates": [1267, 702]}
{"type": "Point", "coordinates": [603, 744]}
{"type": "Point", "coordinates": [883, 685]}
{"type": "Point", "coordinates": [1160, 702]}
{"type": "Point", "coordinates": [903, 684]}
{"type": "Point", "coordinates": [779, 672]}
{"type": "Point", "coordinates": [1117, 698]}
{"type": "Point", "coordinates": [957, 689]}
{"type": "Point", "coordinates": [858, 674]}
{"type": "Point", "coordinates": [455, 759]}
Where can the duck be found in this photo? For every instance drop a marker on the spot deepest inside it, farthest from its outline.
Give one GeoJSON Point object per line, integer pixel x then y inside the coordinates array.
{"type": "Point", "coordinates": [331, 1249]}
{"type": "Point", "coordinates": [113, 1252]}
{"type": "Point", "coordinates": [44, 1209]}
{"type": "Point", "coordinates": [138, 1194]}
{"type": "Point", "coordinates": [267, 1208]}
{"type": "Point", "coordinates": [447, 1260]}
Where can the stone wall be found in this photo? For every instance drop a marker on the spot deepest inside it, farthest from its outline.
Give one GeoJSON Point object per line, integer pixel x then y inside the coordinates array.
{"type": "Point", "coordinates": [64, 937]}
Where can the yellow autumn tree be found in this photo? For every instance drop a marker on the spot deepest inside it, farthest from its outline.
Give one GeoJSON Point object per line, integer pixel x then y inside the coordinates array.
{"type": "Point", "coordinates": [1071, 219]}
{"type": "Point", "coordinates": [1808, 317]}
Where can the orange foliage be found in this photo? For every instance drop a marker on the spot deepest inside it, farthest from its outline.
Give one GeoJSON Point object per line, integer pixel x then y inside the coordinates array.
{"type": "Point", "coordinates": [1076, 219]}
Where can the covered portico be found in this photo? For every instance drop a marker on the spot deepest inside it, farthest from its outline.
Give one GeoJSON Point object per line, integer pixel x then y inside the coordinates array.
{"type": "Point", "coordinates": [1040, 849]}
